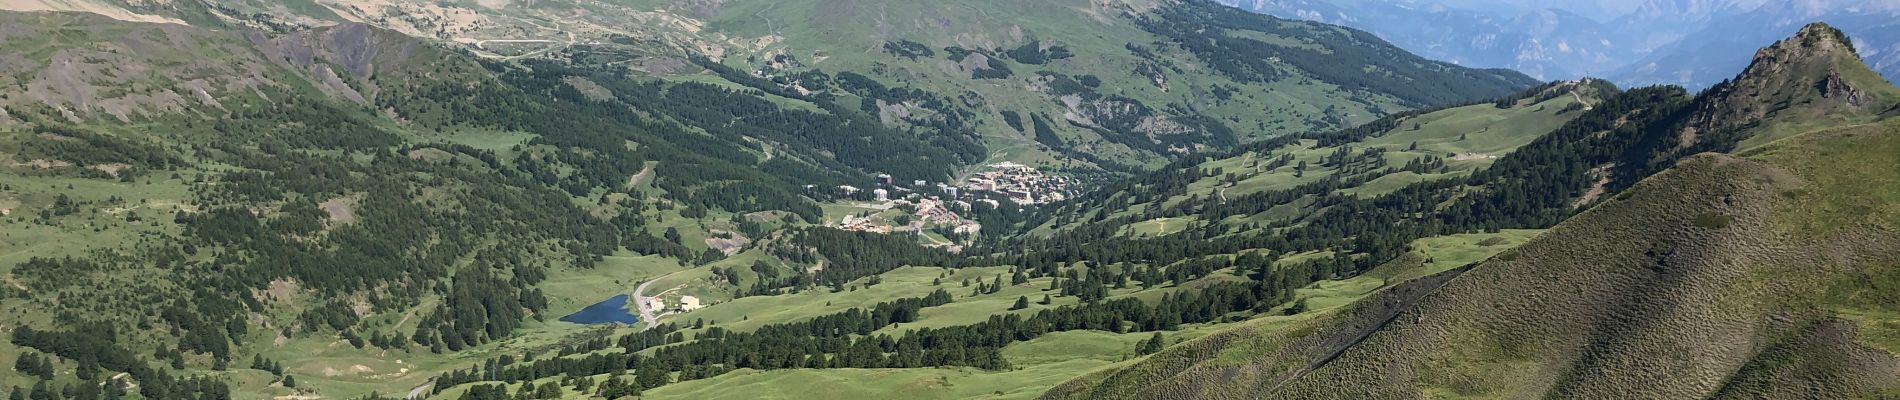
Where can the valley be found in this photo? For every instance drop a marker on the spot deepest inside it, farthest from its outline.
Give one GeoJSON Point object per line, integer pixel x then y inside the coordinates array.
{"type": "Point", "coordinates": [793, 199]}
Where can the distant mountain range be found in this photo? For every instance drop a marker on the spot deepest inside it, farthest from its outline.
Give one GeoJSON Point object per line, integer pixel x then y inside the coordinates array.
{"type": "Point", "coordinates": [1694, 43]}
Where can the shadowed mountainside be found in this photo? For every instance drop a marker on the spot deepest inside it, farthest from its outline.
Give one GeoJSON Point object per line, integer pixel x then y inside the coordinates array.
{"type": "Point", "coordinates": [1760, 275]}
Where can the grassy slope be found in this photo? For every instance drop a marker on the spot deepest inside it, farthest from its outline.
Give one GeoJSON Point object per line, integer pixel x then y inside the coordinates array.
{"type": "Point", "coordinates": [321, 362]}
{"type": "Point", "coordinates": [330, 367]}
{"type": "Point", "coordinates": [1723, 277]}
{"type": "Point", "coordinates": [1479, 133]}
{"type": "Point", "coordinates": [849, 36]}
{"type": "Point", "coordinates": [1039, 363]}
{"type": "Point", "coordinates": [833, 36]}
{"type": "Point", "coordinates": [992, 25]}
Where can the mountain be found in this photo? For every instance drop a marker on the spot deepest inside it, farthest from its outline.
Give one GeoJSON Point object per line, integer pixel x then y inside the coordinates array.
{"type": "Point", "coordinates": [1289, 180]}
{"type": "Point", "coordinates": [238, 199]}
{"type": "Point", "coordinates": [1545, 43]}
{"type": "Point", "coordinates": [1702, 57]}
{"type": "Point", "coordinates": [1734, 275]}
{"type": "Point", "coordinates": [951, 68]}
{"type": "Point", "coordinates": [722, 199]}
{"type": "Point", "coordinates": [1694, 43]}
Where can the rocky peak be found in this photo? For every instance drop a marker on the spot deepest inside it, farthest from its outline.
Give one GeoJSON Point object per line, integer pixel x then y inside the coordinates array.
{"type": "Point", "coordinates": [1817, 69]}
{"type": "Point", "coordinates": [1816, 37]}
{"type": "Point", "coordinates": [1814, 54]}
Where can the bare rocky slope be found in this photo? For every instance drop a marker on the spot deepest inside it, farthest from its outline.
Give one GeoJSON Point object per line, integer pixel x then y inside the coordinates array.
{"type": "Point", "coordinates": [1763, 274]}
{"type": "Point", "coordinates": [81, 65]}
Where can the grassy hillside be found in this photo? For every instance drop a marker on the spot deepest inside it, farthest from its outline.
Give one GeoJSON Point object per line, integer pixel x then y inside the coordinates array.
{"type": "Point", "coordinates": [1124, 85]}
{"type": "Point", "coordinates": [1714, 258]}
{"type": "Point", "coordinates": [346, 210]}
{"type": "Point", "coordinates": [1036, 364]}
{"type": "Point", "coordinates": [1447, 143]}
{"type": "Point", "coordinates": [1726, 276]}
{"type": "Point", "coordinates": [350, 207]}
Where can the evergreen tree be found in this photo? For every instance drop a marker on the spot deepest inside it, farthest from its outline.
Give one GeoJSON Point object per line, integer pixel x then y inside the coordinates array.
{"type": "Point", "coordinates": [1152, 345]}
{"type": "Point", "coordinates": [651, 375]}
{"type": "Point", "coordinates": [1022, 302]}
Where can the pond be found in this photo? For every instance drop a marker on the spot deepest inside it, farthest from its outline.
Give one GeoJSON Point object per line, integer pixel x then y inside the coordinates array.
{"type": "Point", "coordinates": [610, 311]}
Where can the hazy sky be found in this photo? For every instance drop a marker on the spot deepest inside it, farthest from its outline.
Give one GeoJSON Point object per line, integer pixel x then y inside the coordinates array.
{"type": "Point", "coordinates": [1599, 9]}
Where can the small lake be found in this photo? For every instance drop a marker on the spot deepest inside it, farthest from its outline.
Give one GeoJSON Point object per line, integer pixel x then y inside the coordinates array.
{"type": "Point", "coordinates": [612, 310]}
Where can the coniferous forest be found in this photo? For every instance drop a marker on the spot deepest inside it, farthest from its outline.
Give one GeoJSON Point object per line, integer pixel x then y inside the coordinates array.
{"type": "Point", "coordinates": [225, 200]}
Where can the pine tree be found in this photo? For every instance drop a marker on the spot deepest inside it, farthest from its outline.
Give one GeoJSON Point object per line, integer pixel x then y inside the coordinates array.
{"type": "Point", "coordinates": [290, 381]}
{"type": "Point", "coordinates": [1022, 302]}
{"type": "Point", "coordinates": [548, 392]}
{"type": "Point", "coordinates": [1046, 300]}
{"type": "Point", "coordinates": [27, 364]}
{"type": "Point", "coordinates": [651, 375]}
{"type": "Point", "coordinates": [1152, 345]}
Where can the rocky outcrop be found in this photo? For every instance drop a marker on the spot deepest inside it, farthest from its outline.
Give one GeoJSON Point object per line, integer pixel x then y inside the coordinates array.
{"type": "Point", "coordinates": [1817, 70]}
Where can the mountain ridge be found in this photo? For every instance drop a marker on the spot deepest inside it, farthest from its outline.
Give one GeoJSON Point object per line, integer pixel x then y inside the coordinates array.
{"type": "Point", "coordinates": [982, 63]}
{"type": "Point", "coordinates": [1707, 259]}
{"type": "Point", "coordinates": [1693, 43]}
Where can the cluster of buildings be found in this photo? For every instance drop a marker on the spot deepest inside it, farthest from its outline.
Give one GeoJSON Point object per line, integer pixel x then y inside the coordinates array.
{"type": "Point", "coordinates": [930, 211]}
{"type": "Point", "coordinates": [1021, 183]}
{"type": "Point", "coordinates": [938, 204]}
{"type": "Point", "coordinates": [862, 224]}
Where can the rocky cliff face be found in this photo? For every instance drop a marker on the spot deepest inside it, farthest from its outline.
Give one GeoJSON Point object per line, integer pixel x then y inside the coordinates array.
{"type": "Point", "coordinates": [1817, 72]}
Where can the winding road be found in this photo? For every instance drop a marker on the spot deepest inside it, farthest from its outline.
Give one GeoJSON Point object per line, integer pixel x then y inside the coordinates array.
{"type": "Point", "coordinates": [640, 303]}
{"type": "Point", "coordinates": [421, 391]}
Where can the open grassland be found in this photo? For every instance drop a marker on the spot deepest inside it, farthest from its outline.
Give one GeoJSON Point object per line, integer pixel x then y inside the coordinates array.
{"type": "Point", "coordinates": [1482, 129]}
{"type": "Point", "coordinates": [1037, 364]}
{"type": "Point", "coordinates": [1430, 256]}
{"type": "Point", "coordinates": [110, 212]}
{"type": "Point", "coordinates": [1849, 198]}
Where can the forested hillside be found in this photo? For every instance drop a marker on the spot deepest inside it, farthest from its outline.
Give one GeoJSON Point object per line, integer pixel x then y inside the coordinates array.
{"type": "Point", "coordinates": [262, 205]}
{"type": "Point", "coordinates": [1121, 86]}
{"type": "Point", "coordinates": [1700, 258]}
{"type": "Point", "coordinates": [673, 199]}
{"type": "Point", "coordinates": [229, 190]}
